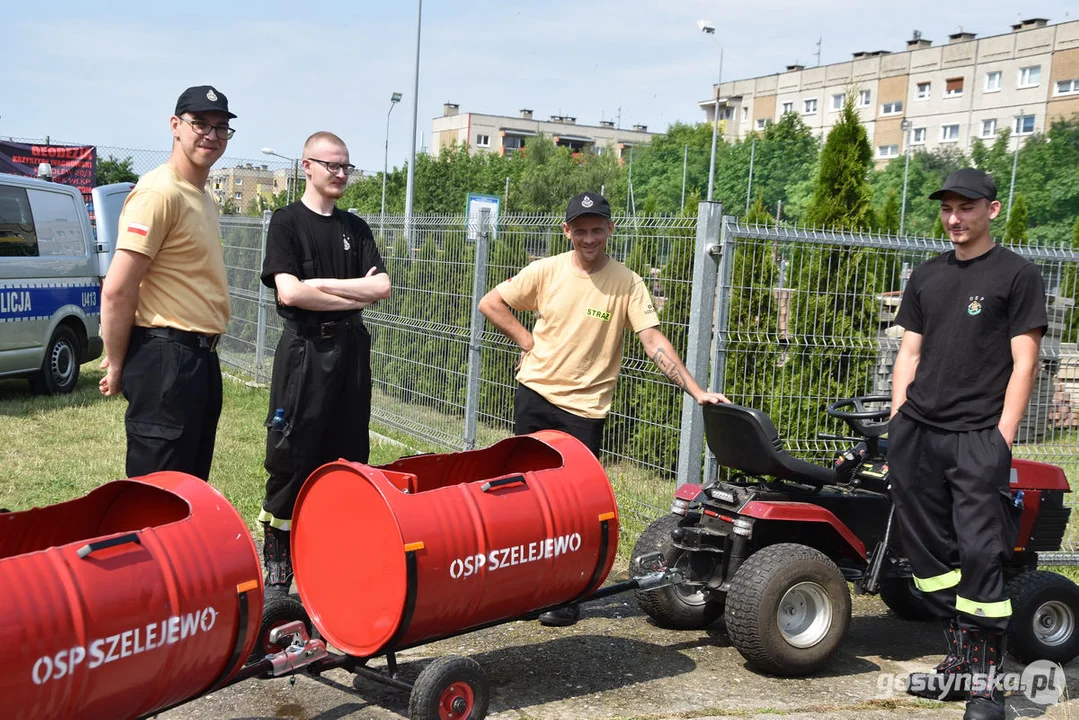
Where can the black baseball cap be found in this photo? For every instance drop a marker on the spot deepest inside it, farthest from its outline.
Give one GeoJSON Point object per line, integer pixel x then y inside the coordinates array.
{"type": "Point", "coordinates": [202, 98]}
{"type": "Point", "coordinates": [970, 183]}
{"type": "Point", "coordinates": [588, 203]}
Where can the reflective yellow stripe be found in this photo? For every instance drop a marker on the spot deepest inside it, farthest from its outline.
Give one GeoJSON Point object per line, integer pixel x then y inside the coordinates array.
{"type": "Point", "coordinates": [277, 523]}
{"type": "Point", "coordinates": [940, 582]}
{"type": "Point", "coordinates": [983, 609]}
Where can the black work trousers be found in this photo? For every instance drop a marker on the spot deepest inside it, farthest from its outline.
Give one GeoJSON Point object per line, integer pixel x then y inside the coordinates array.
{"type": "Point", "coordinates": [533, 412]}
{"type": "Point", "coordinates": [956, 517]}
{"type": "Point", "coordinates": [323, 384]}
{"type": "Point", "coordinates": [172, 382]}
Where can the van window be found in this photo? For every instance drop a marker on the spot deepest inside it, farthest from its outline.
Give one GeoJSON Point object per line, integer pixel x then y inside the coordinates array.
{"type": "Point", "coordinates": [17, 236]}
{"type": "Point", "coordinates": [57, 221]}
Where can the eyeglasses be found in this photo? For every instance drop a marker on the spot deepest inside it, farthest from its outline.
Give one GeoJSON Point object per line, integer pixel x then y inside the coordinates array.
{"type": "Point", "coordinates": [201, 127]}
{"type": "Point", "coordinates": [334, 167]}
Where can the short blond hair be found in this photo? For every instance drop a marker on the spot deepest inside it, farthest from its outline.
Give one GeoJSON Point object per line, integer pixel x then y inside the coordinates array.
{"type": "Point", "coordinates": [323, 135]}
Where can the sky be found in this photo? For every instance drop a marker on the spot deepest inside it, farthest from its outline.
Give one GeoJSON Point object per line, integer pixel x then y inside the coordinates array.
{"type": "Point", "coordinates": [108, 73]}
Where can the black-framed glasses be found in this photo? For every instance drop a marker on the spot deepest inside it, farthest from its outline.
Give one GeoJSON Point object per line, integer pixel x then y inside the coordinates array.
{"type": "Point", "coordinates": [201, 127]}
{"type": "Point", "coordinates": [335, 167]}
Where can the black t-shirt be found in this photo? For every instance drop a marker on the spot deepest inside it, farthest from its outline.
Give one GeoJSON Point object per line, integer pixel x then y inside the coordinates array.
{"type": "Point", "coordinates": [341, 246]}
{"type": "Point", "coordinates": [967, 312]}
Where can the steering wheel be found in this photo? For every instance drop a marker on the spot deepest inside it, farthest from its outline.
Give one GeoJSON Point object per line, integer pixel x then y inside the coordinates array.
{"type": "Point", "coordinates": [856, 418]}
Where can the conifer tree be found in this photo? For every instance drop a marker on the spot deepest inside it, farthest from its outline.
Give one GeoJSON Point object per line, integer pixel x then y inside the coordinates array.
{"type": "Point", "coordinates": [1015, 232]}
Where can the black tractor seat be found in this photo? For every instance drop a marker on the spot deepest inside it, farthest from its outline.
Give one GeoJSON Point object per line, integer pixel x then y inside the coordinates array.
{"type": "Point", "coordinates": [745, 439]}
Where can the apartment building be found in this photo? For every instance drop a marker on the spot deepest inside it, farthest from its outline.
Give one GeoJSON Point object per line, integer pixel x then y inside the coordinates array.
{"type": "Point", "coordinates": [504, 134]}
{"type": "Point", "coordinates": [926, 96]}
{"type": "Point", "coordinates": [243, 183]}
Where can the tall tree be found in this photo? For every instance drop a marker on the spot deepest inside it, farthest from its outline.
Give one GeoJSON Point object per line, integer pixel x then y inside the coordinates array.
{"type": "Point", "coordinates": [113, 170]}
{"type": "Point", "coordinates": [843, 198]}
{"type": "Point", "coordinates": [1015, 232]}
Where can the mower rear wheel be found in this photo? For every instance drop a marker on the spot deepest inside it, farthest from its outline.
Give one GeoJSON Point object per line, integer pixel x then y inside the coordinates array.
{"type": "Point", "coordinates": [905, 600]}
{"type": "Point", "coordinates": [450, 688]}
{"type": "Point", "coordinates": [1045, 611]}
{"type": "Point", "coordinates": [678, 607]}
{"type": "Point", "coordinates": [279, 610]}
{"type": "Point", "coordinates": [788, 610]}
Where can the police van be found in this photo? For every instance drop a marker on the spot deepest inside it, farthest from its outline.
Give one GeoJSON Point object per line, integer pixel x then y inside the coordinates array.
{"type": "Point", "coordinates": [51, 268]}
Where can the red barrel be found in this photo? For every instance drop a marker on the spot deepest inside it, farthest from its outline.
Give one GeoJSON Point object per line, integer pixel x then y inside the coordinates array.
{"type": "Point", "coordinates": [432, 545]}
{"type": "Point", "coordinates": [143, 593]}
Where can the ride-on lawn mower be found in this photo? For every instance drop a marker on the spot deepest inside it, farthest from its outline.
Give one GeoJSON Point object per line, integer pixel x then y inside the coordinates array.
{"type": "Point", "coordinates": [772, 547]}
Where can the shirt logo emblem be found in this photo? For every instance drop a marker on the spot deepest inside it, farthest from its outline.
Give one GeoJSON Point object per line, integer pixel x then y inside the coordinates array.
{"type": "Point", "coordinates": [601, 314]}
{"type": "Point", "coordinates": [587, 202]}
{"type": "Point", "coordinates": [211, 95]}
{"type": "Point", "coordinates": [975, 306]}
{"type": "Point", "coordinates": [348, 245]}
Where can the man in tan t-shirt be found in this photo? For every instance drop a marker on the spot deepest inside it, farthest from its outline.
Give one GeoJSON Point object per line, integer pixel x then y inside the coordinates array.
{"type": "Point", "coordinates": [165, 300]}
{"type": "Point", "coordinates": [583, 300]}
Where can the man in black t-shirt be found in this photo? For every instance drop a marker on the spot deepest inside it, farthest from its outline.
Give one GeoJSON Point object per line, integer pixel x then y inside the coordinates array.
{"type": "Point", "coordinates": [973, 319]}
{"type": "Point", "coordinates": [325, 267]}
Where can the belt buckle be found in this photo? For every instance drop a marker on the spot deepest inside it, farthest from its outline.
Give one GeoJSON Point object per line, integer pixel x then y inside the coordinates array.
{"type": "Point", "coordinates": [325, 331]}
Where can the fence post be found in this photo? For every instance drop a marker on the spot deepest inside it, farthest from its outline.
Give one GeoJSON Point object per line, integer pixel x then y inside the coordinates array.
{"type": "Point", "coordinates": [701, 309]}
{"type": "Point", "coordinates": [719, 330]}
{"type": "Point", "coordinates": [475, 339]}
{"type": "Point", "coordinates": [260, 331]}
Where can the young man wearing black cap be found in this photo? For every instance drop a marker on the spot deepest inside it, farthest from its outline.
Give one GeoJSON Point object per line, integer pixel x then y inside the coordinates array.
{"type": "Point", "coordinates": [973, 321]}
{"type": "Point", "coordinates": [583, 300]}
{"type": "Point", "coordinates": [165, 300]}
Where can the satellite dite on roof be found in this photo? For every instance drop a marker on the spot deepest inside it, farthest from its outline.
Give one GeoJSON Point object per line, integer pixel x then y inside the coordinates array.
{"type": "Point", "coordinates": [481, 216]}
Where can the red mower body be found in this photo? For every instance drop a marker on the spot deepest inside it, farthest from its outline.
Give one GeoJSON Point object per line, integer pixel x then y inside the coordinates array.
{"type": "Point", "coordinates": [433, 545]}
{"type": "Point", "coordinates": [142, 593]}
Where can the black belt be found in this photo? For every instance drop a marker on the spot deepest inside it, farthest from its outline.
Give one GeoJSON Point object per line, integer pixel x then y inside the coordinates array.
{"type": "Point", "coordinates": [193, 339]}
{"type": "Point", "coordinates": [325, 330]}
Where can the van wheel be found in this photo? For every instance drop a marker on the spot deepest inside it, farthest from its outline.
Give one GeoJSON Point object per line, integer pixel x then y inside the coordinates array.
{"type": "Point", "coordinates": [60, 369]}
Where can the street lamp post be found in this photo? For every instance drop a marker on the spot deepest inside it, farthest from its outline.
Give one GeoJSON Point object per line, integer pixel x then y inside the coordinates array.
{"type": "Point", "coordinates": [410, 186]}
{"type": "Point", "coordinates": [905, 125]}
{"type": "Point", "coordinates": [708, 28]}
{"type": "Point", "coordinates": [394, 99]}
{"type": "Point", "coordinates": [294, 161]}
{"type": "Point", "coordinates": [1015, 165]}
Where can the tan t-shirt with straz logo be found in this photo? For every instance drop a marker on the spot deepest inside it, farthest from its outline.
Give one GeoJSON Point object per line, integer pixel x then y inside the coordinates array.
{"type": "Point", "coordinates": [176, 224]}
{"type": "Point", "coordinates": [580, 320]}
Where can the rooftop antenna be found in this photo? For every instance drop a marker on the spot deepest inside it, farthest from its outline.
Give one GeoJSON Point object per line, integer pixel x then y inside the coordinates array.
{"type": "Point", "coordinates": [618, 124]}
{"type": "Point", "coordinates": [917, 35]}
{"type": "Point", "coordinates": [820, 40]}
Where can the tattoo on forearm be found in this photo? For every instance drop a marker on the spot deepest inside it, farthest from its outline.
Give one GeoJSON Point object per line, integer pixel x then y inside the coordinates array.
{"type": "Point", "coordinates": [669, 367]}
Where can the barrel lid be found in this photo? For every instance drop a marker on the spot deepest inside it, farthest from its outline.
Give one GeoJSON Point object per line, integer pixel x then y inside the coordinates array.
{"type": "Point", "coordinates": [349, 557]}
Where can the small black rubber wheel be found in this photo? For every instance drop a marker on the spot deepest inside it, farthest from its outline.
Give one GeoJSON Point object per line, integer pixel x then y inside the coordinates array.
{"type": "Point", "coordinates": [278, 610]}
{"type": "Point", "coordinates": [788, 610]}
{"type": "Point", "coordinates": [450, 688]}
{"type": "Point", "coordinates": [905, 600]}
{"type": "Point", "coordinates": [1045, 608]}
{"type": "Point", "coordinates": [678, 607]}
{"type": "Point", "coordinates": [60, 369]}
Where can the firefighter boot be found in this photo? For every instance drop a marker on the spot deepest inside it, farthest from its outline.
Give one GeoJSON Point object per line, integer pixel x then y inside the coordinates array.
{"type": "Point", "coordinates": [949, 679]}
{"type": "Point", "coordinates": [985, 651]}
{"type": "Point", "coordinates": [278, 559]}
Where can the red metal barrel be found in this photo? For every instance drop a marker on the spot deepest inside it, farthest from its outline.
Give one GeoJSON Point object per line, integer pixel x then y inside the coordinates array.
{"type": "Point", "coordinates": [389, 557]}
{"type": "Point", "coordinates": [142, 593]}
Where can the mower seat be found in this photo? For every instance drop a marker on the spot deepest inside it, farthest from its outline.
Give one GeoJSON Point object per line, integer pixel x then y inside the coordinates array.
{"type": "Point", "coordinates": [746, 439]}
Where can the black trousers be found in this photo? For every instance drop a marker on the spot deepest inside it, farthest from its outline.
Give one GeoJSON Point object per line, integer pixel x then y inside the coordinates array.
{"type": "Point", "coordinates": [173, 391]}
{"type": "Point", "coordinates": [956, 518]}
{"type": "Point", "coordinates": [532, 412]}
{"type": "Point", "coordinates": [324, 387]}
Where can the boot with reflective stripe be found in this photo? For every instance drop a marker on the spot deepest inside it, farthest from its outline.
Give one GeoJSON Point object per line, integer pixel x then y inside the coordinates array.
{"type": "Point", "coordinates": [948, 679]}
{"type": "Point", "coordinates": [276, 555]}
{"type": "Point", "coordinates": [985, 653]}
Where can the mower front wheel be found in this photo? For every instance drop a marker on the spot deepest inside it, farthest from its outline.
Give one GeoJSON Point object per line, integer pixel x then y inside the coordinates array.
{"type": "Point", "coordinates": [677, 607]}
{"type": "Point", "coordinates": [1045, 608]}
{"type": "Point", "coordinates": [788, 610]}
{"type": "Point", "coordinates": [450, 688]}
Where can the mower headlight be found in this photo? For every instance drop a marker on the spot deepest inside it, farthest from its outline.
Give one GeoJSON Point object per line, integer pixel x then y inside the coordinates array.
{"type": "Point", "coordinates": [680, 506]}
{"type": "Point", "coordinates": [743, 527]}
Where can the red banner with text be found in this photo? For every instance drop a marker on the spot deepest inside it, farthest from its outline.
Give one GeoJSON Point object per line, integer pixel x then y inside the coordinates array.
{"type": "Point", "coordinates": [71, 164]}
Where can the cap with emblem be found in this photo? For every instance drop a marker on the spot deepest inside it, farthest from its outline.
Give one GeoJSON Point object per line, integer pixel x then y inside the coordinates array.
{"type": "Point", "coordinates": [202, 98]}
{"type": "Point", "coordinates": [588, 204]}
{"type": "Point", "coordinates": [970, 183]}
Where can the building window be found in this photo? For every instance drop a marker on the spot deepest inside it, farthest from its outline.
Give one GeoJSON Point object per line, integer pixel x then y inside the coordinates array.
{"type": "Point", "coordinates": [1068, 87]}
{"type": "Point", "coordinates": [745, 114]}
{"type": "Point", "coordinates": [892, 108]}
{"type": "Point", "coordinates": [887, 151]}
{"type": "Point", "coordinates": [811, 106]}
{"type": "Point", "coordinates": [949, 133]}
{"type": "Point", "coordinates": [989, 128]}
{"type": "Point", "coordinates": [238, 181]}
{"type": "Point", "coordinates": [1030, 76]}
{"type": "Point", "coordinates": [762, 123]}
{"type": "Point", "coordinates": [992, 81]}
{"type": "Point", "coordinates": [512, 143]}
{"type": "Point", "coordinates": [837, 101]}
{"type": "Point", "coordinates": [788, 107]}
{"type": "Point", "coordinates": [1024, 125]}
{"type": "Point", "coordinates": [953, 87]}
{"type": "Point", "coordinates": [238, 197]}
{"type": "Point", "coordinates": [863, 98]}
{"type": "Point", "coordinates": [924, 90]}
{"type": "Point", "coordinates": [919, 136]}
{"type": "Point", "coordinates": [483, 141]}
